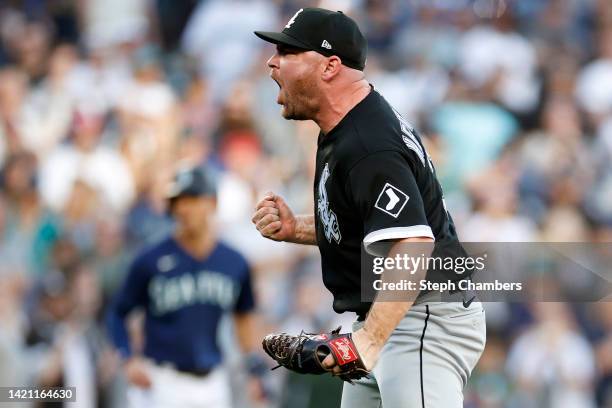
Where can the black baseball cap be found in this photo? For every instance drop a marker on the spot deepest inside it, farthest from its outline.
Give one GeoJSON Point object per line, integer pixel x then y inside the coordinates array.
{"type": "Point", "coordinates": [192, 182]}
{"type": "Point", "coordinates": [324, 31]}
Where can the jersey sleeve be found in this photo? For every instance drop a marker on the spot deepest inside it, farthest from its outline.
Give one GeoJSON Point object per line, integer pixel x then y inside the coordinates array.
{"type": "Point", "coordinates": [246, 300]}
{"type": "Point", "coordinates": [132, 294]}
{"type": "Point", "coordinates": [384, 189]}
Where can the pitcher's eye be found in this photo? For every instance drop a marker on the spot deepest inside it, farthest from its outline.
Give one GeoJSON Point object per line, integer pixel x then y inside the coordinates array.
{"type": "Point", "coordinates": [286, 50]}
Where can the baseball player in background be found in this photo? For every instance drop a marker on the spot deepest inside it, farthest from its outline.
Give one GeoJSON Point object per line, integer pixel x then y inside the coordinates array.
{"type": "Point", "coordinates": [185, 284]}
{"type": "Point", "coordinates": [374, 183]}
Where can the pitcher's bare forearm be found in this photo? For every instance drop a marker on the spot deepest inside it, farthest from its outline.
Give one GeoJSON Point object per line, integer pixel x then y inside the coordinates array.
{"type": "Point", "coordinates": [385, 315]}
{"type": "Point", "coordinates": [305, 230]}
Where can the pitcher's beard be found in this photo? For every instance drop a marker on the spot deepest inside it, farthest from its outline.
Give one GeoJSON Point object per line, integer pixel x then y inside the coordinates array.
{"type": "Point", "coordinates": [291, 114]}
{"type": "Point", "coordinates": [301, 104]}
{"type": "Point", "coordinates": [302, 109]}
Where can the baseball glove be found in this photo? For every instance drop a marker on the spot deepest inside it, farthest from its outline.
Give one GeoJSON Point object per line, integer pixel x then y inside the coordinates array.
{"type": "Point", "coordinates": [305, 353]}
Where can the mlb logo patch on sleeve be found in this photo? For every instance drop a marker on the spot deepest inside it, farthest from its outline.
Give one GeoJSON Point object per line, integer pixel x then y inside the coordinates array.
{"type": "Point", "coordinates": [391, 200]}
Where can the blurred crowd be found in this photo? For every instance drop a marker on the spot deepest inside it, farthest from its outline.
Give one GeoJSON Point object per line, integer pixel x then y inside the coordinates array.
{"type": "Point", "coordinates": [100, 100]}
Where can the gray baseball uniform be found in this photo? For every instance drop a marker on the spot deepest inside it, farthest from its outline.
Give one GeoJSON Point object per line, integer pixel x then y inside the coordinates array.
{"type": "Point", "coordinates": [427, 360]}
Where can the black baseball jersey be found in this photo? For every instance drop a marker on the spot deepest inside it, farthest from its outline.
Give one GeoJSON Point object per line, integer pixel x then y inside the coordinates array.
{"type": "Point", "coordinates": [374, 181]}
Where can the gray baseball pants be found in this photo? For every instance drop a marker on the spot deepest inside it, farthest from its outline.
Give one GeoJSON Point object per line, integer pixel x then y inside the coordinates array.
{"type": "Point", "coordinates": [427, 360]}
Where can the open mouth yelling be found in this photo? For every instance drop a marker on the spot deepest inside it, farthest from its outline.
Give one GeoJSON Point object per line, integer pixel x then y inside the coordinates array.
{"type": "Point", "coordinates": [280, 89]}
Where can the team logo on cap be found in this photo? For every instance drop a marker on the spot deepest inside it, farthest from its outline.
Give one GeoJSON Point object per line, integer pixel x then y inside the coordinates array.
{"type": "Point", "coordinates": [290, 22]}
{"type": "Point", "coordinates": [181, 182]}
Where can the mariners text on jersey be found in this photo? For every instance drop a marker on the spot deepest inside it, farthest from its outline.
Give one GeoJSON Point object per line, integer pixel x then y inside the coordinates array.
{"type": "Point", "coordinates": [184, 299]}
{"type": "Point", "coordinates": [374, 181]}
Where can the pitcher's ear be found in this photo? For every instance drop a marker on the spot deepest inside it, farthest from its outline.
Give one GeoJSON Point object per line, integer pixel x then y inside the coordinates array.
{"type": "Point", "coordinates": [333, 65]}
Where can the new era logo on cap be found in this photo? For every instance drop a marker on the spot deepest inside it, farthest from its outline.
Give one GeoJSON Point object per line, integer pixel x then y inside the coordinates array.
{"type": "Point", "coordinates": [391, 200]}
{"type": "Point", "coordinates": [325, 44]}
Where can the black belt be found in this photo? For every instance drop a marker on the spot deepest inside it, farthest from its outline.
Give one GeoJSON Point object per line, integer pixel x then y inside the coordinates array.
{"type": "Point", "coordinates": [464, 295]}
{"type": "Point", "coordinates": [196, 372]}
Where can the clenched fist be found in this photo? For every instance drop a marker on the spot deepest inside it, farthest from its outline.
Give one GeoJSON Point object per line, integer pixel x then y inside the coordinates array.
{"type": "Point", "coordinates": [274, 219]}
